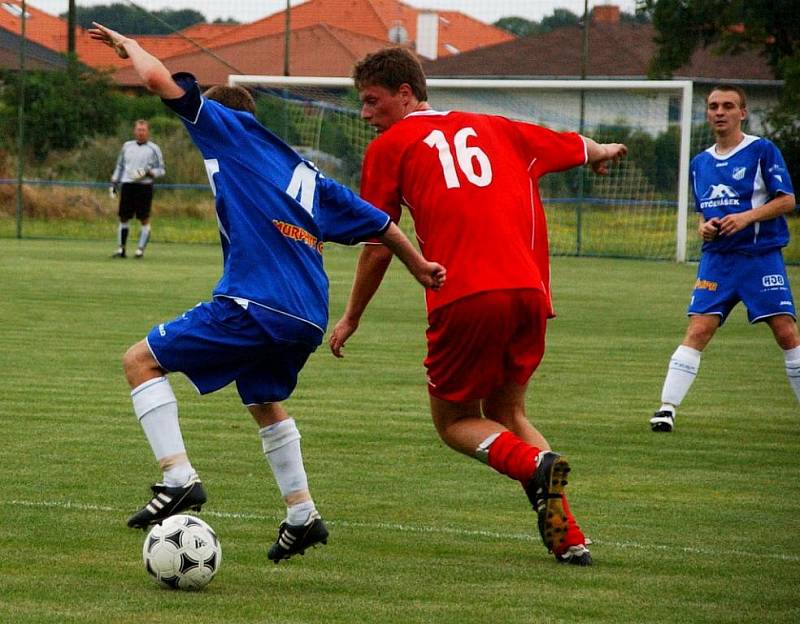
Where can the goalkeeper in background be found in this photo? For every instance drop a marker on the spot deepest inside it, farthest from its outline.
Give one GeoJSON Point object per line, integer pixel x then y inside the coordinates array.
{"type": "Point", "coordinates": [138, 164]}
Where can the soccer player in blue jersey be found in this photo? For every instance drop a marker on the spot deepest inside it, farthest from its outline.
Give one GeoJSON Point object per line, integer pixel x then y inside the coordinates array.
{"type": "Point", "coordinates": [270, 307]}
{"type": "Point", "coordinates": [742, 191]}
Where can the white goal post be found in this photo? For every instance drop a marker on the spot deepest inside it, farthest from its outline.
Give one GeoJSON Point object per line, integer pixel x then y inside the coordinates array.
{"type": "Point", "coordinates": [641, 107]}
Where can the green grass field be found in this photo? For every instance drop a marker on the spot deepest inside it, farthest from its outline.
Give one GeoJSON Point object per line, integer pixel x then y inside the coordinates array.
{"type": "Point", "coordinates": [698, 526]}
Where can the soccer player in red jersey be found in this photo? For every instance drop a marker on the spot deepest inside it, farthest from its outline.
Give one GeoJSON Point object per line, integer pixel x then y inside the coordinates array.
{"type": "Point", "coordinates": [470, 182]}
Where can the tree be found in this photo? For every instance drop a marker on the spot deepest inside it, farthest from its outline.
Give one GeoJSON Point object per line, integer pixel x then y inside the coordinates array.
{"type": "Point", "coordinates": [560, 18]}
{"type": "Point", "coordinates": [727, 25]}
{"type": "Point", "coordinates": [518, 26]}
{"type": "Point", "coordinates": [768, 26]}
{"type": "Point", "coordinates": [61, 107]}
{"type": "Point", "coordinates": [522, 27]}
{"type": "Point", "coordinates": [783, 124]}
{"type": "Point", "coordinates": [136, 21]}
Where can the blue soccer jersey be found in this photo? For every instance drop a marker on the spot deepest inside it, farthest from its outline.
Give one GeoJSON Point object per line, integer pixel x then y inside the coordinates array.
{"type": "Point", "coordinates": [748, 177]}
{"type": "Point", "coordinates": [273, 207]}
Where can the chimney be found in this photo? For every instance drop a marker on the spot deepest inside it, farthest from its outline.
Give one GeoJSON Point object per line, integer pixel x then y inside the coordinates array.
{"type": "Point", "coordinates": [427, 44]}
{"type": "Point", "coordinates": [605, 14]}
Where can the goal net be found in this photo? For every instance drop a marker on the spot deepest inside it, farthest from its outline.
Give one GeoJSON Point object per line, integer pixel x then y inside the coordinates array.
{"type": "Point", "coordinates": [638, 211]}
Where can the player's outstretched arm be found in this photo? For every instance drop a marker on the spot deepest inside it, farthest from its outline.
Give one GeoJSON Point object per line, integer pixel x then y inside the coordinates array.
{"type": "Point", "coordinates": [156, 77]}
{"type": "Point", "coordinates": [429, 274]}
{"type": "Point", "coordinates": [600, 154]}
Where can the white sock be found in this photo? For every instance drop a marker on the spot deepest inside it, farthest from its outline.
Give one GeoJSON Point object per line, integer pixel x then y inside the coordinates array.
{"type": "Point", "coordinates": [298, 514]}
{"type": "Point", "coordinates": [281, 444]}
{"type": "Point", "coordinates": [792, 359]}
{"type": "Point", "coordinates": [683, 367]}
{"type": "Point", "coordinates": [482, 452]}
{"type": "Point", "coordinates": [144, 236]}
{"type": "Point", "coordinates": [156, 407]}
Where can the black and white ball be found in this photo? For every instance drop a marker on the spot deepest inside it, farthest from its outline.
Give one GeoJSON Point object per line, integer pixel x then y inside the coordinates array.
{"type": "Point", "coordinates": [182, 552]}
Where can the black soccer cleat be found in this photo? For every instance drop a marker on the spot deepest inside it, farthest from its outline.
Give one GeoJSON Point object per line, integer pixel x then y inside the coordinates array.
{"type": "Point", "coordinates": [663, 420]}
{"type": "Point", "coordinates": [167, 502]}
{"type": "Point", "coordinates": [296, 538]}
{"type": "Point", "coordinates": [544, 491]}
{"type": "Point", "coordinates": [119, 253]}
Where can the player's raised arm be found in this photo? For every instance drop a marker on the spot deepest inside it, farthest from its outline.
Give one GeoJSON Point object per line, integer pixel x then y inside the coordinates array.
{"type": "Point", "coordinates": [156, 77]}
{"type": "Point", "coordinates": [600, 154]}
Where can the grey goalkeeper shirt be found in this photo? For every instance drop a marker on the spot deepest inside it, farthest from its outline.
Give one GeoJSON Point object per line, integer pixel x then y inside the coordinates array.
{"type": "Point", "coordinates": [139, 163]}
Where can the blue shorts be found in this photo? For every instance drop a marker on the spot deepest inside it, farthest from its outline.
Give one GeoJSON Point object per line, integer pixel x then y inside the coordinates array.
{"type": "Point", "coordinates": [760, 282]}
{"type": "Point", "coordinates": [219, 341]}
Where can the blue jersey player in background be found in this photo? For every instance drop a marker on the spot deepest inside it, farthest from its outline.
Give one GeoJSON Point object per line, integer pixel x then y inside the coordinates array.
{"type": "Point", "coordinates": [270, 307]}
{"type": "Point", "coordinates": [742, 191]}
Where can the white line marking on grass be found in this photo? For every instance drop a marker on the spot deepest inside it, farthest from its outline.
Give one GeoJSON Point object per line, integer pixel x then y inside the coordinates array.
{"type": "Point", "coordinates": [406, 528]}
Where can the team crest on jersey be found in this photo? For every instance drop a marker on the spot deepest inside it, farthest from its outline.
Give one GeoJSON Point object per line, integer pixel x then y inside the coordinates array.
{"type": "Point", "coordinates": [739, 172]}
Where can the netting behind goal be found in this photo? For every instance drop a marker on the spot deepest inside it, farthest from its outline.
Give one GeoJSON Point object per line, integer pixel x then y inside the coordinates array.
{"type": "Point", "coordinates": [638, 211]}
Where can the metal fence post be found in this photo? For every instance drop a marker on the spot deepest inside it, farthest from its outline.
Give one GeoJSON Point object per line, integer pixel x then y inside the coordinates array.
{"type": "Point", "coordinates": [21, 122]}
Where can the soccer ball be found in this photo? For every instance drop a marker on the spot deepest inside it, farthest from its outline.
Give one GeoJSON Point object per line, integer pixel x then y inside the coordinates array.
{"type": "Point", "coordinates": [182, 552]}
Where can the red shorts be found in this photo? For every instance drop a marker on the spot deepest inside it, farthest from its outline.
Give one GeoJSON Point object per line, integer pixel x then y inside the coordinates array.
{"type": "Point", "coordinates": [481, 343]}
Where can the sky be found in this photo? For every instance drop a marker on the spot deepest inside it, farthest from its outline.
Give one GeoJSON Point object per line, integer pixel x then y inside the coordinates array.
{"type": "Point", "coordinates": [249, 10]}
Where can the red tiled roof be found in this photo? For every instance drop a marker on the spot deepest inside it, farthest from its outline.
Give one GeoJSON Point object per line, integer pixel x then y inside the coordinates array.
{"type": "Point", "coordinates": [617, 50]}
{"type": "Point", "coordinates": [101, 56]}
{"type": "Point", "coordinates": [51, 32]}
{"type": "Point", "coordinates": [40, 27]}
{"type": "Point", "coordinates": [329, 51]}
{"type": "Point", "coordinates": [352, 23]}
{"type": "Point", "coordinates": [373, 18]}
{"type": "Point", "coordinates": [203, 32]}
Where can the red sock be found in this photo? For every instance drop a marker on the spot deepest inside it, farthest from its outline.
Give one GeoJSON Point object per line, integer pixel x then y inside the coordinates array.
{"type": "Point", "coordinates": [574, 535]}
{"type": "Point", "coordinates": [570, 518]}
{"type": "Point", "coordinates": [511, 456]}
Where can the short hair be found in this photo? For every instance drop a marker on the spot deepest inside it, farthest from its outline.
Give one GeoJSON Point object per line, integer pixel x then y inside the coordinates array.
{"type": "Point", "coordinates": [141, 122]}
{"type": "Point", "coordinates": [391, 68]}
{"type": "Point", "coordinates": [237, 98]}
{"type": "Point", "coordinates": [730, 88]}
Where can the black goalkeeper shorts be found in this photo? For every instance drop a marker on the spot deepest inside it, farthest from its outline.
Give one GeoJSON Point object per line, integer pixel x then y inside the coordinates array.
{"type": "Point", "coordinates": [135, 199]}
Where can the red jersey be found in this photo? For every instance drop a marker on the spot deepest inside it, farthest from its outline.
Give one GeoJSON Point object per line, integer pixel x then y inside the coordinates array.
{"type": "Point", "coordinates": [470, 182]}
